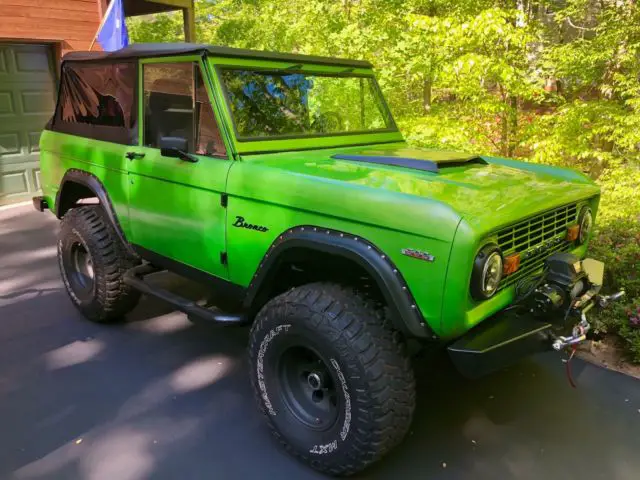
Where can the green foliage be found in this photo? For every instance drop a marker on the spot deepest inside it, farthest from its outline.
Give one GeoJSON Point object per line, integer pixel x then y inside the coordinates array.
{"type": "Point", "coordinates": [551, 82]}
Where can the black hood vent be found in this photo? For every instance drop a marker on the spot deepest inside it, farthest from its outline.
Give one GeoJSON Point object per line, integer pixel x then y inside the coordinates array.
{"type": "Point", "coordinates": [413, 163]}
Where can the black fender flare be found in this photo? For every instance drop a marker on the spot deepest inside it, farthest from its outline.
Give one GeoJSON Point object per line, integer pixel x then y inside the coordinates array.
{"type": "Point", "coordinates": [405, 313]}
{"type": "Point", "coordinates": [95, 185]}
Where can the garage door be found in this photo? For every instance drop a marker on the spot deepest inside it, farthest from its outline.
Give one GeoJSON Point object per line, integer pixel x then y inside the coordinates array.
{"type": "Point", "coordinates": [27, 99]}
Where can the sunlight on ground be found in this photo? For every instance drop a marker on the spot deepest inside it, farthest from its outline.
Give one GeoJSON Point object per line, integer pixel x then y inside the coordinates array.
{"type": "Point", "coordinates": [16, 287]}
{"type": "Point", "coordinates": [73, 354]}
{"type": "Point", "coordinates": [115, 451]}
{"type": "Point", "coordinates": [170, 323]}
{"type": "Point", "coordinates": [41, 253]}
{"type": "Point", "coordinates": [123, 454]}
{"type": "Point", "coordinates": [200, 373]}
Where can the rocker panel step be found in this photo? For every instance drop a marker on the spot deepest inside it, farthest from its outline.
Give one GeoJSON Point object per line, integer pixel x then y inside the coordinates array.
{"type": "Point", "coordinates": [197, 314]}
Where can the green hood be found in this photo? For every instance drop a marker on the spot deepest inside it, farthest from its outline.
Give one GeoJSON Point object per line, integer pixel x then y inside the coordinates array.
{"type": "Point", "coordinates": [487, 192]}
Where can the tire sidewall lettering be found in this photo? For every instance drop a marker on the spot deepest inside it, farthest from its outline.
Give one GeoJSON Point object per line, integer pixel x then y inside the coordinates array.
{"type": "Point", "coordinates": [346, 424]}
{"type": "Point", "coordinates": [344, 431]}
{"type": "Point", "coordinates": [264, 344]}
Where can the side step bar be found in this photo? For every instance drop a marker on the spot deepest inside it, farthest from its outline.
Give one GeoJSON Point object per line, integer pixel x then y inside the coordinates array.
{"type": "Point", "coordinates": [197, 314]}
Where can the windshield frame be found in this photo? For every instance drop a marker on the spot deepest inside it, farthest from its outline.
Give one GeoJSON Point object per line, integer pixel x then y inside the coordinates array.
{"type": "Point", "coordinates": [309, 70]}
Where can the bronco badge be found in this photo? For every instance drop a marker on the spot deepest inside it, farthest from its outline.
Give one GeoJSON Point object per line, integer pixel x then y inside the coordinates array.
{"type": "Point", "coordinates": [410, 252]}
{"type": "Point", "coordinates": [240, 223]}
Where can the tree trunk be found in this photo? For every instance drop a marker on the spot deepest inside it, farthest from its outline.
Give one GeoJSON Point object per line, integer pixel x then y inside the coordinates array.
{"type": "Point", "coordinates": [427, 87]}
{"type": "Point", "coordinates": [513, 125]}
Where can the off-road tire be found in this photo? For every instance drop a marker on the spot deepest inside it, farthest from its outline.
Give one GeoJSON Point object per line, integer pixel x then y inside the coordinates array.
{"type": "Point", "coordinates": [369, 355]}
{"type": "Point", "coordinates": [107, 298]}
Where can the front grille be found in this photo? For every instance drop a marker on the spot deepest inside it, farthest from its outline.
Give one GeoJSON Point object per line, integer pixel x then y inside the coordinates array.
{"type": "Point", "coordinates": [535, 239]}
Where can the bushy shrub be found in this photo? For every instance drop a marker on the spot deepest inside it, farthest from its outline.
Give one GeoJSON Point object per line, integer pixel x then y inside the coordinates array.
{"type": "Point", "coordinates": [617, 243]}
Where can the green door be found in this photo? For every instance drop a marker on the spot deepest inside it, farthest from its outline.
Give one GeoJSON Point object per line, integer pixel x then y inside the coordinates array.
{"type": "Point", "coordinates": [175, 207]}
{"type": "Point", "coordinates": [27, 100]}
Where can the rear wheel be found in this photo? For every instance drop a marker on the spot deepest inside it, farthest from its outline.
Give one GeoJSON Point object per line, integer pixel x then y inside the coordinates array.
{"type": "Point", "coordinates": [331, 377]}
{"type": "Point", "coordinates": [92, 263]}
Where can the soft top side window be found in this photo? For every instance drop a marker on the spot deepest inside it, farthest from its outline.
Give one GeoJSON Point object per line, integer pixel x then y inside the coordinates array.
{"type": "Point", "coordinates": [97, 100]}
{"type": "Point", "coordinates": [176, 104]}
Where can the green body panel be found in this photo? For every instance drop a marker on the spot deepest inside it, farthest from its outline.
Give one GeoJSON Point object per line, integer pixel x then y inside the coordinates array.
{"type": "Point", "coordinates": [60, 153]}
{"type": "Point", "coordinates": [174, 208]}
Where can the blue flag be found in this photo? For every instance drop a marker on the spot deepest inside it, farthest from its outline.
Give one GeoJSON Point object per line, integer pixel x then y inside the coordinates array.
{"type": "Point", "coordinates": [113, 31]}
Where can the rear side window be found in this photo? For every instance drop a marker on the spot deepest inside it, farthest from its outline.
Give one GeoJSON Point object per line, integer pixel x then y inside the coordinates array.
{"type": "Point", "coordinates": [176, 104]}
{"type": "Point", "coordinates": [97, 100]}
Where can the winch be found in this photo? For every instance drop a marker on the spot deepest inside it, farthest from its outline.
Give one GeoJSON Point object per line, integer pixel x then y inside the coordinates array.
{"type": "Point", "coordinates": [549, 312]}
{"type": "Point", "coordinates": [567, 290]}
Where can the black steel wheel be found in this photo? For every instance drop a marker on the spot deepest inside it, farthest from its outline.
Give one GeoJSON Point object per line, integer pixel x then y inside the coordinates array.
{"type": "Point", "coordinates": [308, 387]}
{"type": "Point", "coordinates": [79, 268]}
{"type": "Point", "coordinates": [331, 377]}
{"type": "Point", "coordinates": [92, 263]}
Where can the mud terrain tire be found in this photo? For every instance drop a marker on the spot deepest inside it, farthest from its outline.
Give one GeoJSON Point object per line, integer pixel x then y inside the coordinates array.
{"type": "Point", "coordinates": [320, 346]}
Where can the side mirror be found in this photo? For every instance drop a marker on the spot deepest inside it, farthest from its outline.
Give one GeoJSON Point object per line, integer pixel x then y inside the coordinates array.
{"type": "Point", "coordinates": [176, 147]}
{"type": "Point", "coordinates": [171, 146]}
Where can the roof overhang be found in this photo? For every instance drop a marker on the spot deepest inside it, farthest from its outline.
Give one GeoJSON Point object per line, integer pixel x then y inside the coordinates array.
{"type": "Point", "coordinates": [133, 8]}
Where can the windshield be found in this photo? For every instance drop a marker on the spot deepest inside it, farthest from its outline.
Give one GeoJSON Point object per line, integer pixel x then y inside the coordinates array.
{"type": "Point", "coordinates": [295, 104]}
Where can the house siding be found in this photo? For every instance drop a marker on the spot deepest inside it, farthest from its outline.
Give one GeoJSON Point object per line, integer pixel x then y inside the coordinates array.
{"type": "Point", "coordinates": [68, 24]}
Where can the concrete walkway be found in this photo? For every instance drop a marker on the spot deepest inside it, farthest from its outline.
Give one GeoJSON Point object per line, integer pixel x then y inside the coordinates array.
{"type": "Point", "coordinates": [158, 397]}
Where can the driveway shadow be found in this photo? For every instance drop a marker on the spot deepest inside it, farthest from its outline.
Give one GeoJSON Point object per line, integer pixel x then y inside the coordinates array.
{"type": "Point", "coordinates": [159, 397]}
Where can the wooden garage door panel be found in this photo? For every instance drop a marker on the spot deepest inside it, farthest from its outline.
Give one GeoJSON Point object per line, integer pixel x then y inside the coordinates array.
{"type": "Point", "coordinates": [7, 105]}
{"type": "Point", "coordinates": [34, 141]}
{"type": "Point", "coordinates": [32, 60]}
{"type": "Point", "coordinates": [9, 143]}
{"type": "Point", "coordinates": [27, 100]}
{"type": "Point", "coordinates": [37, 102]}
{"type": "Point", "coordinates": [14, 184]}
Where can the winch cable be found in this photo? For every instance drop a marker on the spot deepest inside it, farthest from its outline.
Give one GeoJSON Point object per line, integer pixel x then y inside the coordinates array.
{"type": "Point", "coordinates": [532, 283]}
{"type": "Point", "coordinates": [567, 363]}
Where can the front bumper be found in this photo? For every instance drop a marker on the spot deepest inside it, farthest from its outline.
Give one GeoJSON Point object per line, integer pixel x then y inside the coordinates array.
{"type": "Point", "coordinates": [40, 203]}
{"type": "Point", "coordinates": [499, 341]}
{"type": "Point", "coordinates": [524, 329]}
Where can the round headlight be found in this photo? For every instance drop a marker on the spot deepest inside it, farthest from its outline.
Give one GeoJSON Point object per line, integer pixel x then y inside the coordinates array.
{"type": "Point", "coordinates": [586, 224]}
{"type": "Point", "coordinates": [487, 272]}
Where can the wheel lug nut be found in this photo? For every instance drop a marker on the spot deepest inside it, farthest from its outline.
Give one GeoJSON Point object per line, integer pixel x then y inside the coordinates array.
{"type": "Point", "coordinates": [315, 380]}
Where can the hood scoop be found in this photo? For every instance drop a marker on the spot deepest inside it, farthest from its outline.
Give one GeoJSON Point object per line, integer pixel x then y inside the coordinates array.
{"type": "Point", "coordinates": [433, 165]}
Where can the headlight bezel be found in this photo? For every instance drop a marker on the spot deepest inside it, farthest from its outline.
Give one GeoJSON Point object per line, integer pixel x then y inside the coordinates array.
{"type": "Point", "coordinates": [480, 289]}
{"type": "Point", "coordinates": [585, 215]}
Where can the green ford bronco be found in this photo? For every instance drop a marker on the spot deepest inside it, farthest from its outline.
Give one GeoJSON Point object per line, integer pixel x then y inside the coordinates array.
{"type": "Point", "coordinates": [282, 183]}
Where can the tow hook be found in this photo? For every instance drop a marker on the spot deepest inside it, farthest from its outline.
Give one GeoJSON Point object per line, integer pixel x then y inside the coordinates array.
{"type": "Point", "coordinates": [578, 335]}
{"type": "Point", "coordinates": [604, 300]}
{"type": "Point", "coordinates": [579, 332]}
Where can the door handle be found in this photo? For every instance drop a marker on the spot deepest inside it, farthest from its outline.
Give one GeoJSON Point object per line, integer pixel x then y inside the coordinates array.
{"type": "Point", "coordinates": [133, 155]}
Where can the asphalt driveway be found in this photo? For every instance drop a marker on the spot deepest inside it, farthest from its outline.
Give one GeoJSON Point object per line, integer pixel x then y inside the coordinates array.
{"type": "Point", "coordinates": [157, 397]}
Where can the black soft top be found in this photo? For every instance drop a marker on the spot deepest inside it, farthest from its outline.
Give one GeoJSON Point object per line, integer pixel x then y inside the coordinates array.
{"type": "Point", "coordinates": [146, 50]}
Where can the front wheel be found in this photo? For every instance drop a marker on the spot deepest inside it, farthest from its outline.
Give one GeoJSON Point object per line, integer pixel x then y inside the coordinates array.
{"type": "Point", "coordinates": [331, 378]}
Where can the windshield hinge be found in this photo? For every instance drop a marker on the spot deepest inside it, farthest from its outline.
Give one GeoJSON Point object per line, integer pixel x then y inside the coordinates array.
{"type": "Point", "coordinates": [224, 200]}
{"type": "Point", "coordinates": [224, 259]}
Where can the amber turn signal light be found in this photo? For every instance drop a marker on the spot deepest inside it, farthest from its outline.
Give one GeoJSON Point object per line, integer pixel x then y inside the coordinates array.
{"type": "Point", "coordinates": [572, 233]}
{"type": "Point", "coordinates": [511, 264]}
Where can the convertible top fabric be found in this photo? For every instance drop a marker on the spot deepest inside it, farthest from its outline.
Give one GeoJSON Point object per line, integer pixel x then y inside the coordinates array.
{"type": "Point", "coordinates": [146, 50]}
